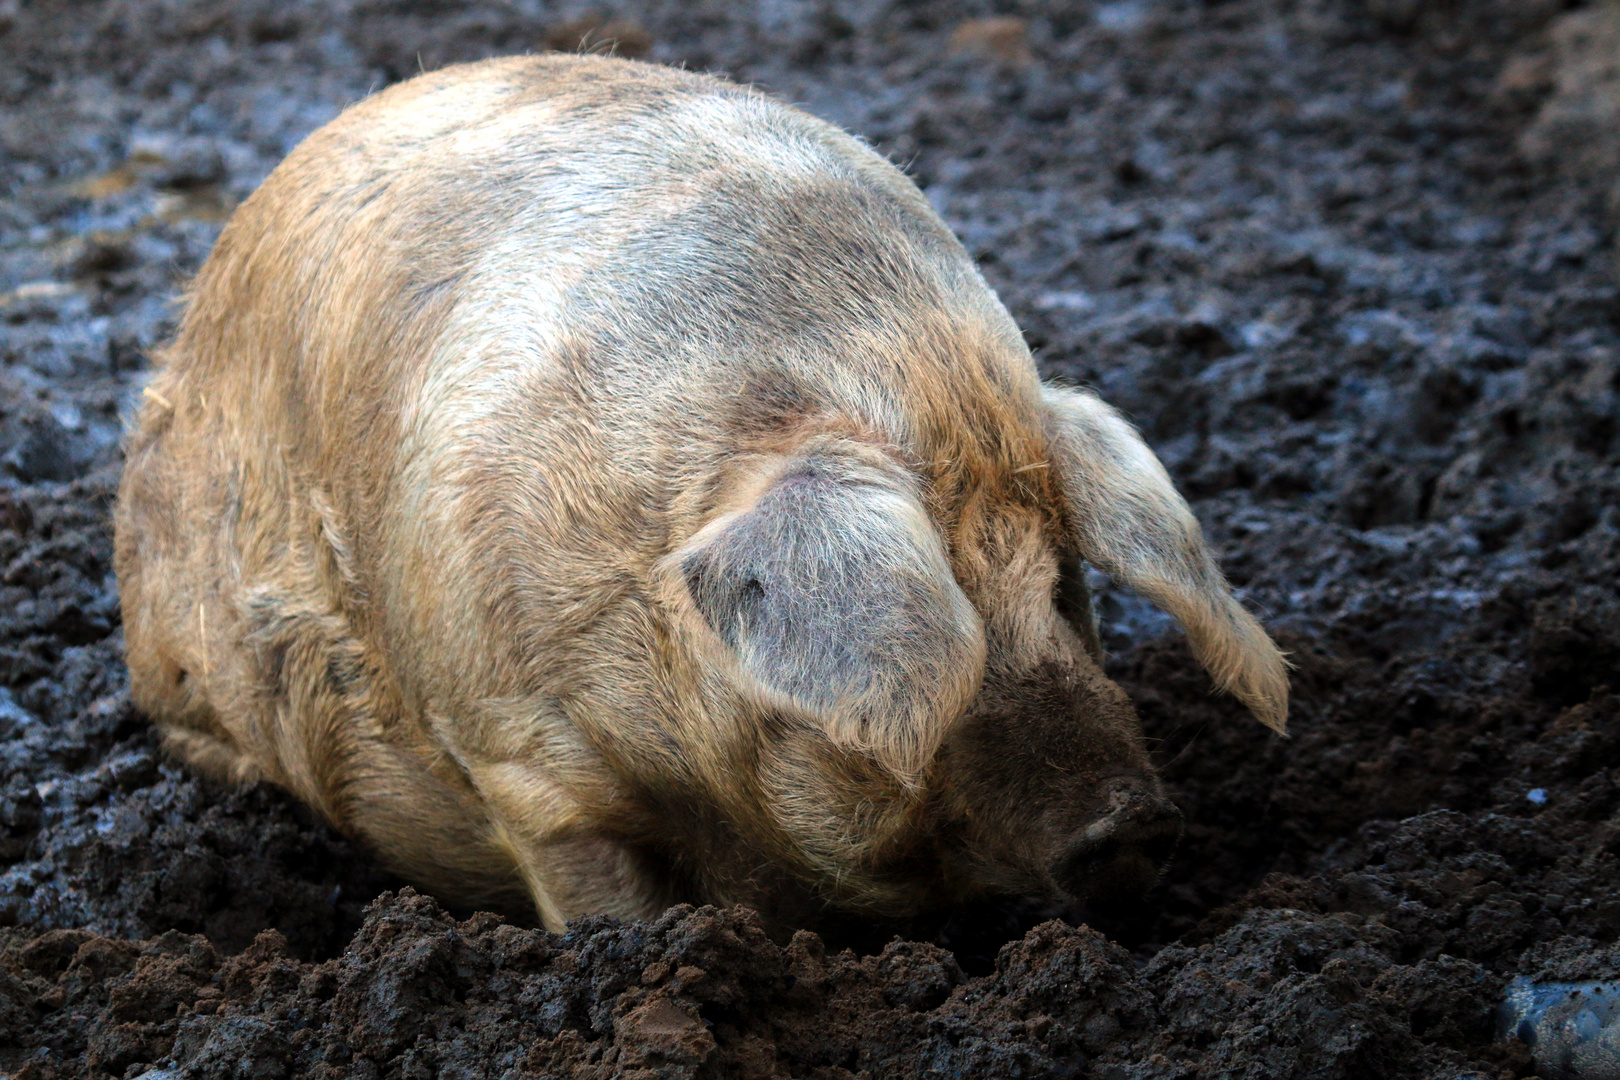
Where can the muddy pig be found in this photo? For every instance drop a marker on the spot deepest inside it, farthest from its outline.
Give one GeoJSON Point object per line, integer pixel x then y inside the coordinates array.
{"type": "Point", "coordinates": [595, 486]}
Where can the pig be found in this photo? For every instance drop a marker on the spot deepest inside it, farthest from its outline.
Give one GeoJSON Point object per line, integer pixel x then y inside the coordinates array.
{"type": "Point", "coordinates": [595, 486]}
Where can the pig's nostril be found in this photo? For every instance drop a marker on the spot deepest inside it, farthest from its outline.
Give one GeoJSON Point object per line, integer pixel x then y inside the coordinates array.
{"type": "Point", "coordinates": [1093, 856]}
{"type": "Point", "coordinates": [1154, 841]}
{"type": "Point", "coordinates": [1160, 847]}
{"type": "Point", "coordinates": [1122, 854]}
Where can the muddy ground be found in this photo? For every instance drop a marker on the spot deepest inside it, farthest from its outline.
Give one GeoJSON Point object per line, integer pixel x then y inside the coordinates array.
{"type": "Point", "coordinates": [1349, 265]}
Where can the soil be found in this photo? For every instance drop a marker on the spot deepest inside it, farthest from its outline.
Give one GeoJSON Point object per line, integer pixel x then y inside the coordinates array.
{"type": "Point", "coordinates": [1348, 264]}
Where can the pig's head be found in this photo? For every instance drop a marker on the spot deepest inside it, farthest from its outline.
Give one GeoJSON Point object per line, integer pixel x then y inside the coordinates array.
{"type": "Point", "coordinates": [924, 712]}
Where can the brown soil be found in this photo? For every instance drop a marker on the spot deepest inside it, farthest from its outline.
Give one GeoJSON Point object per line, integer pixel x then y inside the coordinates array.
{"type": "Point", "coordinates": [1322, 251]}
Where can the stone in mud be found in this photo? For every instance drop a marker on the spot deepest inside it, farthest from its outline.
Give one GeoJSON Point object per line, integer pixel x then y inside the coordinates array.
{"type": "Point", "coordinates": [42, 451]}
{"type": "Point", "coordinates": [1572, 1029]}
{"type": "Point", "coordinates": [1002, 39]}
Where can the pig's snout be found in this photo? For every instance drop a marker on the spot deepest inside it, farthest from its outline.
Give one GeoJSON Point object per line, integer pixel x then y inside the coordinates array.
{"type": "Point", "coordinates": [1122, 852]}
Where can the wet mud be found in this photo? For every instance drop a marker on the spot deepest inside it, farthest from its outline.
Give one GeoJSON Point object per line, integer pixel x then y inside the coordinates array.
{"type": "Point", "coordinates": [1347, 263]}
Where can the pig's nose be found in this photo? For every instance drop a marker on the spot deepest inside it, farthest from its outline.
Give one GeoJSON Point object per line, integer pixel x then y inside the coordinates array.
{"type": "Point", "coordinates": [1122, 852]}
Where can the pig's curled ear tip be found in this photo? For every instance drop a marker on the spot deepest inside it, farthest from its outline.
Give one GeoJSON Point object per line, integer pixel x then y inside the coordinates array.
{"type": "Point", "coordinates": [1270, 704]}
{"type": "Point", "coordinates": [1262, 685]}
{"type": "Point", "coordinates": [1277, 721]}
{"type": "Point", "coordinates": [1271, 709]}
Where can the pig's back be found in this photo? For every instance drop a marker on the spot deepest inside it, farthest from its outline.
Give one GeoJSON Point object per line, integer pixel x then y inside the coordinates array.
{"type": "Point", "coordinates": [646, 230]}
{"type": "Point", "coordinates": [497, 325]}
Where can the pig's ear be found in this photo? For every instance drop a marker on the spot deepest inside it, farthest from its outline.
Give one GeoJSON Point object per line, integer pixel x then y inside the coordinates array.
{"type": "Point", "coordinates": [830, 587]}
{"type": "Point", "coordinates": [1128, 520]}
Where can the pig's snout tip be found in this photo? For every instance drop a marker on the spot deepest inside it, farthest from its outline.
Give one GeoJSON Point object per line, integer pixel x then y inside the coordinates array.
{"type": "Point", "coordinates": [1122, 853]}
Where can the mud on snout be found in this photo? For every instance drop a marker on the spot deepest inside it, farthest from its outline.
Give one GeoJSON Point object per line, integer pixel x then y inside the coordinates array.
{"type": "Point", "coordinates": [1053, 787]}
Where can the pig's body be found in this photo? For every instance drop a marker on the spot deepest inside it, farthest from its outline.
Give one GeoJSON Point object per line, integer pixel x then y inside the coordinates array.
{"type": "Point", "coordinates": [596, 485]}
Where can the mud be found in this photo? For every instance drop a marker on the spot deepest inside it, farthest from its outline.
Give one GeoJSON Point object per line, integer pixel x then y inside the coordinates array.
{"type": "Point", "coordinates": [1348, 263]}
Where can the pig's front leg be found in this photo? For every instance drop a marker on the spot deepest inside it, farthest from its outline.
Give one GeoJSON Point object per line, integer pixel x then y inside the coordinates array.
{"type": "Point", "coordinates": [583, 872]}
{"type": "Point", "coordinates": [543, 789]}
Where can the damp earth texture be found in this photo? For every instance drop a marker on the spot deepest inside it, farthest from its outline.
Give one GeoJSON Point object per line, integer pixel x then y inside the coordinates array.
{"type": "Point", "coordinates": [1348, 264]}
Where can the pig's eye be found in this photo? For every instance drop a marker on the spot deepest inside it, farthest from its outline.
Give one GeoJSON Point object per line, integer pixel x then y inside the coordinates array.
{"type": "Point", "coordinates": [1073, 600]}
